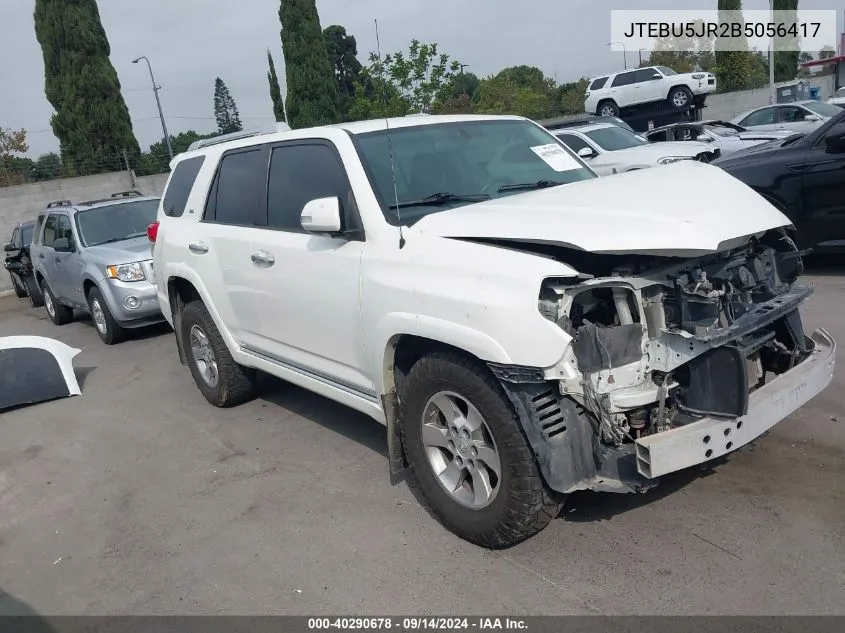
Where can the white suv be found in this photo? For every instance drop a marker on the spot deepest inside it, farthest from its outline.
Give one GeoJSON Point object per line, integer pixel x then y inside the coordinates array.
{"type": "Point", "coordinates": [523, 328]}
{"type": "Point", "coordinates": [608, 94]}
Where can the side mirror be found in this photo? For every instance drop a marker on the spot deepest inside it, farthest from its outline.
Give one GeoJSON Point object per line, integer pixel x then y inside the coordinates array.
{"type": "Point", "coordinates": [62, 245]}
{"type": "Point", "coordinates": [811, 117]}
{"type": "Point", "coordinates": [703, 138]}
{"type": "Point", "coordinates": [586, 152]}
{"type": "Point", "coordinates": [657, 76]}
{"type": "Point", "coordinates": [8, 248]}
{"type": "Point", "coordinates": [321, 216]}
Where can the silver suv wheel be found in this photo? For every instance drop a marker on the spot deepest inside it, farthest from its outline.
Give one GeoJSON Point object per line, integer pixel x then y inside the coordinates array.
{"type": "Point", "coordinates": [203, 356]}
{"type": "Point", "coordinates": [98, 316]}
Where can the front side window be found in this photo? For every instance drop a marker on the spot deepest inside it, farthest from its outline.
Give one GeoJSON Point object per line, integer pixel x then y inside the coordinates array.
{"type": "Point", "coordinates": [646, 74]}
{"type": "Point", "coordinates": [791, 114]}
{"type": "Point", "coordinates": [26, 234]}
{"type": "Point", "coordinates": [236, 197]}
{"type": "Point", "coordinates": [299, 174]}
{"type": "Point", "coordinates": [14, 239]}
{"type": "Point", "coordinates": [64, 231]}
{"type": "Point", "coordinates": [766, 116]}
{"type": "Point", "coordinates": [615, 138]}
{"type": "Point", "coordinates": [476, 159]}
{"type": "Point", "coordinates": [115, 222]}
{"type": "Point", "coordinates": [667, 72]}
{"type": "Point", "coordinates": [573, 142]}
{"type": "Point", "coordinates": [50, 229]}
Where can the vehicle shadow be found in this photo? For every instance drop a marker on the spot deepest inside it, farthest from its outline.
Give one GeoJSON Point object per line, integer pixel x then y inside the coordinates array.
{"type": "Point", "coordinates": [20, 617]}
{"type": "Point", "coordinates": [135, 334]}
{"type": "Point", "coordinates": [82, 374]}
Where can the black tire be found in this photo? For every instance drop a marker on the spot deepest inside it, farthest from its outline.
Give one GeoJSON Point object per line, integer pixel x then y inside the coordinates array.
{"type": "Point", "coordinates": [523, 505]}
{"type": "Point", "coordinates": [235, 384]}
{"type": "Point", "coordinates": [607, 107]}
{"type": "Point", "coordinates": [17, 284]}
{"type": "Point", "coordinates": [680, 97]}
{"type": "Point", "coordinates": [58, 313]}
{"type": "Point", "coordinates": [36, 299]}
{"type": "Point", "coordinates": [107, 328]}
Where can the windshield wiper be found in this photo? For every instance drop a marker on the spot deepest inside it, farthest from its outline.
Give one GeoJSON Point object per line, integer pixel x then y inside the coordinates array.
{"type": "Point", "coordinates": [442, 198]}
{"type": "Point", "coordinates": [120, 239]}
{"type": "Point", "coordinates": [539, 184]}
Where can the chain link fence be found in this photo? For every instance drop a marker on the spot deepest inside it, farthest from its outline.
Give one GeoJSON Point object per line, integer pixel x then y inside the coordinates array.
{"type": "Point", "coordinates": [52, 166]}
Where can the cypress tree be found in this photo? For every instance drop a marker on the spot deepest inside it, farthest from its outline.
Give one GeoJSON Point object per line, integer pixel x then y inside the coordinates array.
{"type": "Point", "coordinates": [91, 121]}
{"type": "Point", "coordinates": [225, 109]}
{"type": "Point", "coordinates": [733, 67]}
{"type": "Point", "coordinates": [786, 61]}
{"type": "Point", "coordinates": [275, 91]}
{"type": "Point", "coordinates": [312, 96]}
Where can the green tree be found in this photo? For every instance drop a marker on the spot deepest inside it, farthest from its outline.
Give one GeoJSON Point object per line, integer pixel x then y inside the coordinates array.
{"type": "Point", "coordinates": [343, 55]}
{"type": "Point", "coordinates": [827, 52]}
{"type": "Point", "coordinates": [47, 167]}
{"type": "Point", "coordinates": [683, 54]}
{"type": "Point", "coordinates": [571, 96]}
{"type": "Point", "coordinates": [529, 77]}
{"type": "Point", "coordinates": [91, 121]}
{"type": "Point", "coordinates": [376, 98]}
{"type": "Point", "coordinates": [805, 57]}
{"type": "Point", "coordinates": [502, 95]}
{"type": "Point", "coordinates": [275, 90]}
{"type": "Point", "coordinates": [11, 169]}
{"type": "Point", "coordinates": [734, 67]}
{"type": "Point", "coordinates": [462, 84]}
{"type": "Point", "coordinates": [312, 95]}
{"type": "Point", "coordinates": [225, 109]}
{"type": "Point", "coordinates": [786, 61]}
{"type": "Point", "coordinates": [157, 160]}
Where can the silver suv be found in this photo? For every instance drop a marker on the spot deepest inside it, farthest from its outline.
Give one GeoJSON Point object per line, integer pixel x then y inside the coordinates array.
{"type": "Point", "coordinates": [95, 257]}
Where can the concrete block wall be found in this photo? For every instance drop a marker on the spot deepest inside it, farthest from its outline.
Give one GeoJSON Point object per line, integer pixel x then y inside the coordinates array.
{"type": "Point", "coordinates": [728, 105]}
{"type": "Point", "coordinates": [24, 202]}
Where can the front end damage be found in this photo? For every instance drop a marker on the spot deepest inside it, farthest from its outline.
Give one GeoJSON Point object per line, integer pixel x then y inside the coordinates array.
{"type": "Point", "coordinates": [672, 362]}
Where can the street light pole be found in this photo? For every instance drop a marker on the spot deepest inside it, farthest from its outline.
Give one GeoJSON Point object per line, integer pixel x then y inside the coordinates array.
{"type": "Point", "coordinates": [624, 51]}
{"type": "Point", "coordinates": [156, 88]}
{"type": "Point", "coordinates": [773, 95]}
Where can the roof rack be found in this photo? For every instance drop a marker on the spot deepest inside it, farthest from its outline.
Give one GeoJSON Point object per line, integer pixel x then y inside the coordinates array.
{"type": "Point", "coordinates": [234, 136]}
{"type": "Point", "coordinates": [59, 203]}
{"type": "Point", "coordinates": [127, 194]}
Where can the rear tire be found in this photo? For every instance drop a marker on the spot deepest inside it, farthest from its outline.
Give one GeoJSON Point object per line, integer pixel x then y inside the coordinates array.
{"type": "Point", "coordinates": [36, 299]}
{"type": "Point", "coordinates": [59, 314]}
{"type": "Point", "coordinates": [680, 97]}
{"type": "Point", "coordinates": [481, 481]}
{"type": "Point", "coordinates": [107, 328]}
{"type": "Point", "coordinates": [607, 108]}
{"type": "Point", "coordinates": [221, 380]}
{"type": "Point", "coordinates": [17, 284]}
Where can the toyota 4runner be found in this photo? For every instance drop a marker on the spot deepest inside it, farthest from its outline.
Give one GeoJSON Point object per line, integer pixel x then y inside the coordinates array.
{"type": "Point", "coordinates": [522, 328]}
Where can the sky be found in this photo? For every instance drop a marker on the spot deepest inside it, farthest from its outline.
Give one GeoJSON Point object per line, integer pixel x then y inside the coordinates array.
{"type": "Point", "coordinates": [190, 42]}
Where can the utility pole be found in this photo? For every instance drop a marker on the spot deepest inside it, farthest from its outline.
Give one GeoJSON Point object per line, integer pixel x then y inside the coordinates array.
{"type": "Point", "coordinates": [624, 51]}
{"type": "Point", "coordinates": [773, 96]}
{"type": "Point", "coordinates": [641, 56]}
{"type": "Point", "coordinates": [156, 88]}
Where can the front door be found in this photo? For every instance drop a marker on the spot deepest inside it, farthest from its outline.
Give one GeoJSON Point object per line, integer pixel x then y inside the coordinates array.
{"type": "Point", "coordinates": [67, 268]}
{"type": "Point", "coordinates": [309, 285]}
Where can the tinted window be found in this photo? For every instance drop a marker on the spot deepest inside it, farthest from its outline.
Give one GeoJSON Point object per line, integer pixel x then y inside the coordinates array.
{"type": "Point", "coordinates": [657, 137]}
{"type": "Point", "coordinates": [647, 74]}
{"type": "Point", "coordinates": [598, 83]}
{"type": "Point", "coordinates": [623, 79]}
{"type": "Point", "coordinates": [26, 234]}
{"type": "Point", "coordinates": [14, 238]}
{"type": "Point", "coordinates": [116, 222]}
{"type": "Point", "coordinates": [238, 191]}
{"type": "Point", "coordinates": [766, 116]}
{"type": "Point", "coordinates": [299, 174]}
{"type": "Point", "coordinates": [614, 138]}
{"type": "Point", "coordinates": [791, 114]}
{"type": "Point", "coordinates": [50, 230]}
{"type": "Point", "coordinates": [181, 182]}
{"type": "Point", "coordinates": [573, 142]}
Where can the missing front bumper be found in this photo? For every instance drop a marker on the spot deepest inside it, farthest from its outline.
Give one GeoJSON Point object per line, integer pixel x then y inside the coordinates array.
{"type": "Point", "coordinates": [710, 438]}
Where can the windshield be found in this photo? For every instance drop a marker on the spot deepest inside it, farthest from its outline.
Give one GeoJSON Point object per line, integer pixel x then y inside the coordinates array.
{"type": "Point", "coordinates": [26, 234]}
{"type": "Point", "coordinates": [115, 222]}
{"type": "Point", "coordinates": [666, 71]}
{"type": "Point", "coordinates": [823, 109]}
{"type": "Point", "coordinates": [614, 138]}
{"type": "Point", "coordinates": [471, 160]}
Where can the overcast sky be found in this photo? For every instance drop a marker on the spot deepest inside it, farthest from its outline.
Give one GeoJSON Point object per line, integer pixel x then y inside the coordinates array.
{"type": "Point", "coordinates": [190, 42]}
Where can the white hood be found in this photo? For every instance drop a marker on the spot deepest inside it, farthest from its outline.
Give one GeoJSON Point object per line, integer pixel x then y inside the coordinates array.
{"type": "Point", "coordinates": [684, 210]}
{"type": "Point", "coordinates": [651, 153]}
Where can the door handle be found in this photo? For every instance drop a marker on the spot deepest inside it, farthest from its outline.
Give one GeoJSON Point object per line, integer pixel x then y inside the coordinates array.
{"type": "Point", "coordinates": [198, 247]}
{"type": "Point", "coordinates": [263, 257]}
{"type": "Point", "coordinates": [799, 168]}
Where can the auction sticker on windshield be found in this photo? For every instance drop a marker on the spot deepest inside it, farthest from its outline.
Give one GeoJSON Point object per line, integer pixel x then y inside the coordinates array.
{"type": "Point", "coordinates": [556, 157]}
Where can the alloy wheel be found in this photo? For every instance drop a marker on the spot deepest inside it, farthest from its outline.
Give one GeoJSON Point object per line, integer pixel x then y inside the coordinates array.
{"type": "Point", "coordinates": [204, 356]}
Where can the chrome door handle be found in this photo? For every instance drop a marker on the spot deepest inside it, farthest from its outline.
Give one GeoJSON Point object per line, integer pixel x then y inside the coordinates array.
{"type": "Point", "coordinates": [198, 247]}
{"type": "Point", "coordinates": [263, 257]}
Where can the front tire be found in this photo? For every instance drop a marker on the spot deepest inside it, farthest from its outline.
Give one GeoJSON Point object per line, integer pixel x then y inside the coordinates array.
{"type": "Point", "coordinates": [107, 328]}
{"type": "Point", "coordinates": [221, 380]}
{"type": "Point", "coordinates": [680, 97]}
{"type": "Point", "coordinates": [607, 108]}
{"type": "Point", "coordinates": [59, 314]}
{"type": "Point", "coordinates": [468, 455]}
{"type": "Point", "coordinates": [36, 299]}
{"type": "Point", "coordinates": [17, 284]}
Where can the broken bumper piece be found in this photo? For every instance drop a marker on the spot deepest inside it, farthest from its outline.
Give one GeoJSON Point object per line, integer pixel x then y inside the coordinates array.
{"type": "Point", "coordinates": [710, 438]}
{"type": "Point", "coordinates": [35, 369]}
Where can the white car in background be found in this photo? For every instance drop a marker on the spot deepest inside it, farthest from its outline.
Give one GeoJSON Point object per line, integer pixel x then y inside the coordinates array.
{"type": "Point", "coordinates": [607, 94]}
{"type": "Point", "coordinates": [609, 149]}
{"type": "Point", "coordinates": [838, 98]}
{"type": "Point", "coordinates": [800, 117]}
{"type": "Point", "coordinates": [727, 137]}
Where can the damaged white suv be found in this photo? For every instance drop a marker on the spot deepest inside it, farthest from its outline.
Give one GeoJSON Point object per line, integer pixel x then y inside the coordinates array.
{"type": "Point", "coordinates": [522, 328]}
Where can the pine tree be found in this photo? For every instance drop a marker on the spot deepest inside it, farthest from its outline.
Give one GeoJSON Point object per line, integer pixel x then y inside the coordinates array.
{"type": "Point", "coordinates": [91, 121]}
{"type": "Point", "coordinates": [312, 96]}
{"type": "Point", "coordinates": [275, 91]}
{"type": "Point", "coordinates": [734, 67]}
{"type": "Point", "coordinates": [786, 61]}
{"type": "Point", "coordinates": [348, 71]}
{"type": "Point", "coordinates": [225, 109]}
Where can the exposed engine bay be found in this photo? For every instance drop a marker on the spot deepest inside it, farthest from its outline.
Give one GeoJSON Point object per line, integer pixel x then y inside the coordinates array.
{"type": "Point", "coordinates": [661, 342]}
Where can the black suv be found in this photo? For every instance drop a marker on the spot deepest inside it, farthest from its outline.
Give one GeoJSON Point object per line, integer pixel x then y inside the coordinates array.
{"type": "Point", "coordinates": [19, 264]}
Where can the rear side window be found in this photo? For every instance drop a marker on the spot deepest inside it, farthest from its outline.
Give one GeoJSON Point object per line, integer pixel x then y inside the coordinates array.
{"type": "Point", "coordinates": [50, 227]}
{"type": "Point", "coordinates": [598, 83]}
{"type": "Point", "coordinates": [299, 174]}
{"type": "Point", "coordinates": [238, 191]}
{"type": "Point", "coordinates": [181, 182]}
{"type": "Point", "coordinates": [623, 79]}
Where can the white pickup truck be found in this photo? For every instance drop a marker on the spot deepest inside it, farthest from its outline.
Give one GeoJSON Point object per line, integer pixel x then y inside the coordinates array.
{"type": "Point", "coordinates": [523, 328]}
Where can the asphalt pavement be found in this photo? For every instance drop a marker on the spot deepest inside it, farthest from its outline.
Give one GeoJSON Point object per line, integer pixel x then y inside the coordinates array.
{"type": "Point", "coordinates": [140, 498]}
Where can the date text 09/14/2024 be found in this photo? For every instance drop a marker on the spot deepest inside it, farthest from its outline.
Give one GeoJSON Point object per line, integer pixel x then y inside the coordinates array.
{"type": "Point", "coordinates": [417, 623]}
